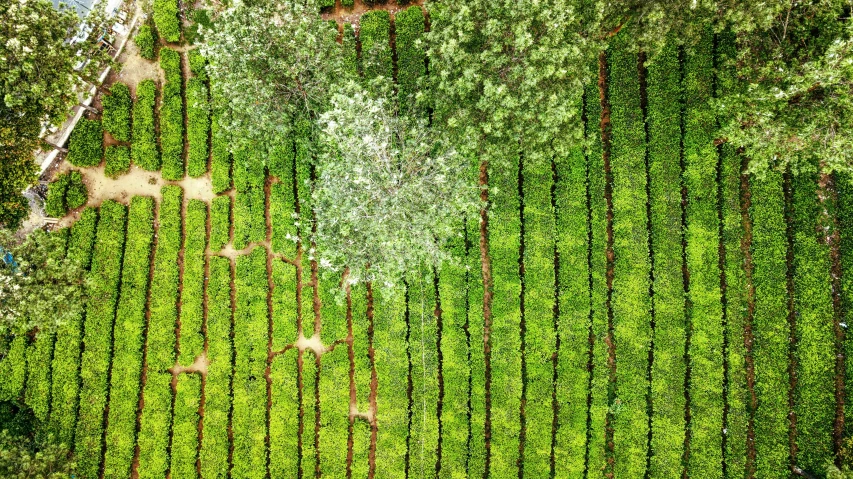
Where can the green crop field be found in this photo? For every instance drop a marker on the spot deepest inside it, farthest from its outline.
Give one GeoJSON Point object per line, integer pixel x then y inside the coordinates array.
{"type": "Point", "coordinates": [651, 311]}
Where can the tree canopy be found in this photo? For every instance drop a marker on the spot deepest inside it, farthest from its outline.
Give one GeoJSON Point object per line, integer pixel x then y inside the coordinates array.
{"type": "Point", "coordinates": [390, 190]}
{"type": "Point", "coordinates": [40, 70]}
{"type": "Point", "coordinates": [271, 64]}
{"type": "Point", "coordinates": [794, 104]}
{"type": "Point", "coordinates": [46, 290]}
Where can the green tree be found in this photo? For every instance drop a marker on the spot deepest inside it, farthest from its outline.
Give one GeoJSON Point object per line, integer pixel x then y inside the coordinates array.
{"type": "Point", "coordinates": [506, 75]}
{"type": "Point", "coordinates": [37, 85]}
{"type": "Point", "coordinates": [46, 290]}
{"type": "Point", "coordinates": [23, 458]}
{"type": "Point", "coordinates": [794, 105]}
{"type": "Point", "coordinates": [390, 190]}
{"type": "Point", "coordinates": [270, 64]}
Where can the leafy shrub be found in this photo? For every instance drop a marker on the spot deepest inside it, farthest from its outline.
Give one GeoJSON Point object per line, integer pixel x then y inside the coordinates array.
{"type": "Point", "coordinates": [54, 205]}
{"type": "Point", "coordinates": [154, 429]}
{"type": "Point", "coordinates": [144, 148]}
{"type": "Point", "coordinates": [116, 116]}
{"type": "Point", "coordinates": [86, 145]}
{"type": "Point", "coordinates": [23, 457]}
{"type": "Point", "coordinates": [103, 291]}
{"type": "Point", "coordinates": [375, 37]}
{"type": "Point", "coordinates": [197, 64]}
{"type": "Point", "coordinates": [192, 311]}
{"type": "Point", "coordinates": [128, 345]}
{"type": "Point", "coordinates": [146, 39]}
{"type": "Point", "coordinates": [170, 62]}
{"type": "Point", "coordinates": [350, 50]}
{"type": "Point", "coordinates": [327, 4]}
{"type": "Point", "coordinates": [76, 196]}
{"type": "Point", "coordinates": [117, 161]}
{"type": "Point", "coordinates": [410, 58]}
{"type": "Point", "coordinates": [214, 443]}
{"type": "Point", "coordinates": [250, 318]}
{"type": "Point", "coordinates": [172, 117]}
{"type": "Point", "coordinates": [220, 222]}
{"type": "Point", "coordinates": [66, 357]}
{"type": "Point", "coordinates": [198, 127]}
{"type": "Point", "coordinates": [166, 20]}
{"type": "Point", "coordinates": [220, 157]}
{"type": "Point", "coordinates": [248, 169]}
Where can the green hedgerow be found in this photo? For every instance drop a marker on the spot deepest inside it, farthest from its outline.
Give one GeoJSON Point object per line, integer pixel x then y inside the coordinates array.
{"type": "Point", "coordinates": [145, 40]}
{"type": "Point", "coordinates": [86, 146]}
{"type": "Point", "coordinates": [76, 196]}
{"type": "Point", "coordinates": [197, 64]}
{"type": "Point", "coordinates": [144, 148]}
{"type": "Point", "coordinates": [116, 116]}
{"type": "Point", "coordinates": [117, 161]}
{"type": "Point", "coordinates": [54, 205]}
{"type": "Point", "coordinates": [166, 20]}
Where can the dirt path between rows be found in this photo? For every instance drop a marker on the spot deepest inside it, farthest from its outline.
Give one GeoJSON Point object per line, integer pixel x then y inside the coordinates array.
{"type": "Point", "coordinates": [137, 182]}
{"type": "Point", "coordinates": [748, 337]}
{"type": "Point", "coordinates": [352, 15]}
{"type": "Point", "coordinates": [831, 235]}
{"type": "Point", "coordinates": [610, 259]}
{"type": "Point", "coordinates": [488, 292]}
{"type": "Point", "coordinates": [374, 386]}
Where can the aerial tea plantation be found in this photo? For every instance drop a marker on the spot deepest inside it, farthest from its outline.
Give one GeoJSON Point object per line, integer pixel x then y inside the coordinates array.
{"type": "Point", "coordinates": [638, 308]}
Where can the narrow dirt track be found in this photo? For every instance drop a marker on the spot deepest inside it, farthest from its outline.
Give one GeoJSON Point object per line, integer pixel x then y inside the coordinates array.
{"type": "Point", "coordinates": [792, 320]}
{"type": "Point", "coordinates": [270, 288]}
{"type": "Point", "coordinates": [829, 201]}
{"type": "Point", "coordinates": [609, 254]}
{"type": "Point", "coordinates": [374, 386]}
{"type": "Point", "coordinates": [486, 264]}
{"type": "Point", "coordinates": [749, 337]}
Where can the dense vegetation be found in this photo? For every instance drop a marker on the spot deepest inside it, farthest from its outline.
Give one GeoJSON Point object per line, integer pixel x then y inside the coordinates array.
{"type": "Point", "coordinates": [637, 298]}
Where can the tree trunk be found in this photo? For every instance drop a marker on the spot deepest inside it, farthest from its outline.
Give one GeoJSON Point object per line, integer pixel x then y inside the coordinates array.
{"type": "Point", "coordinates": [57, 147]}
{"type": "Point", "coordinates": [89, 108]}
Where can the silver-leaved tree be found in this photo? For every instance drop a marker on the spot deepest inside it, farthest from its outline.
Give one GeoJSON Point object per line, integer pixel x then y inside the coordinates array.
{"type": "Point", "coordinates": [271, 64]}
{"type": "Point", "coordinates": [390, 191]}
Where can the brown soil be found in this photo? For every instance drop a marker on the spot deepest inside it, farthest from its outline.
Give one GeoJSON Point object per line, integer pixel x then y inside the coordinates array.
{"type": "Point", "coordinates": [351, 15]}
{"type": "Point", "coordinates": [792, 321]}
{"type": "Point", "coordinates": [829, 199]}
{"type": "Point", "coordinates": [353, 399]}
{"type": "Point", "coordinates": [522, 412]}
{"type": "Point", "coordinates": [748, 337]}
{"type": "Point", "coordinates": [135, 69]}
{"type": "Point", "coordinates": [486, 265]}
{"type": "Point", "coordinates": [724, 300]}
{"type": "Point", "coordinates": [199, 366]}
{"type": "Point", "coordinates": [610, 259]}
{"type": "Point", "coordinates": [270, 288]}
{"type": "Point", "coordinates": [137, 182]}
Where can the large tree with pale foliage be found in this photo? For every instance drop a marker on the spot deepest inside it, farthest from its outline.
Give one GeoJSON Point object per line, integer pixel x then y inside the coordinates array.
{"type": "Point", "coordinates": [390, 192]}
{"type": "Point", "coordinates": [271, 63]}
